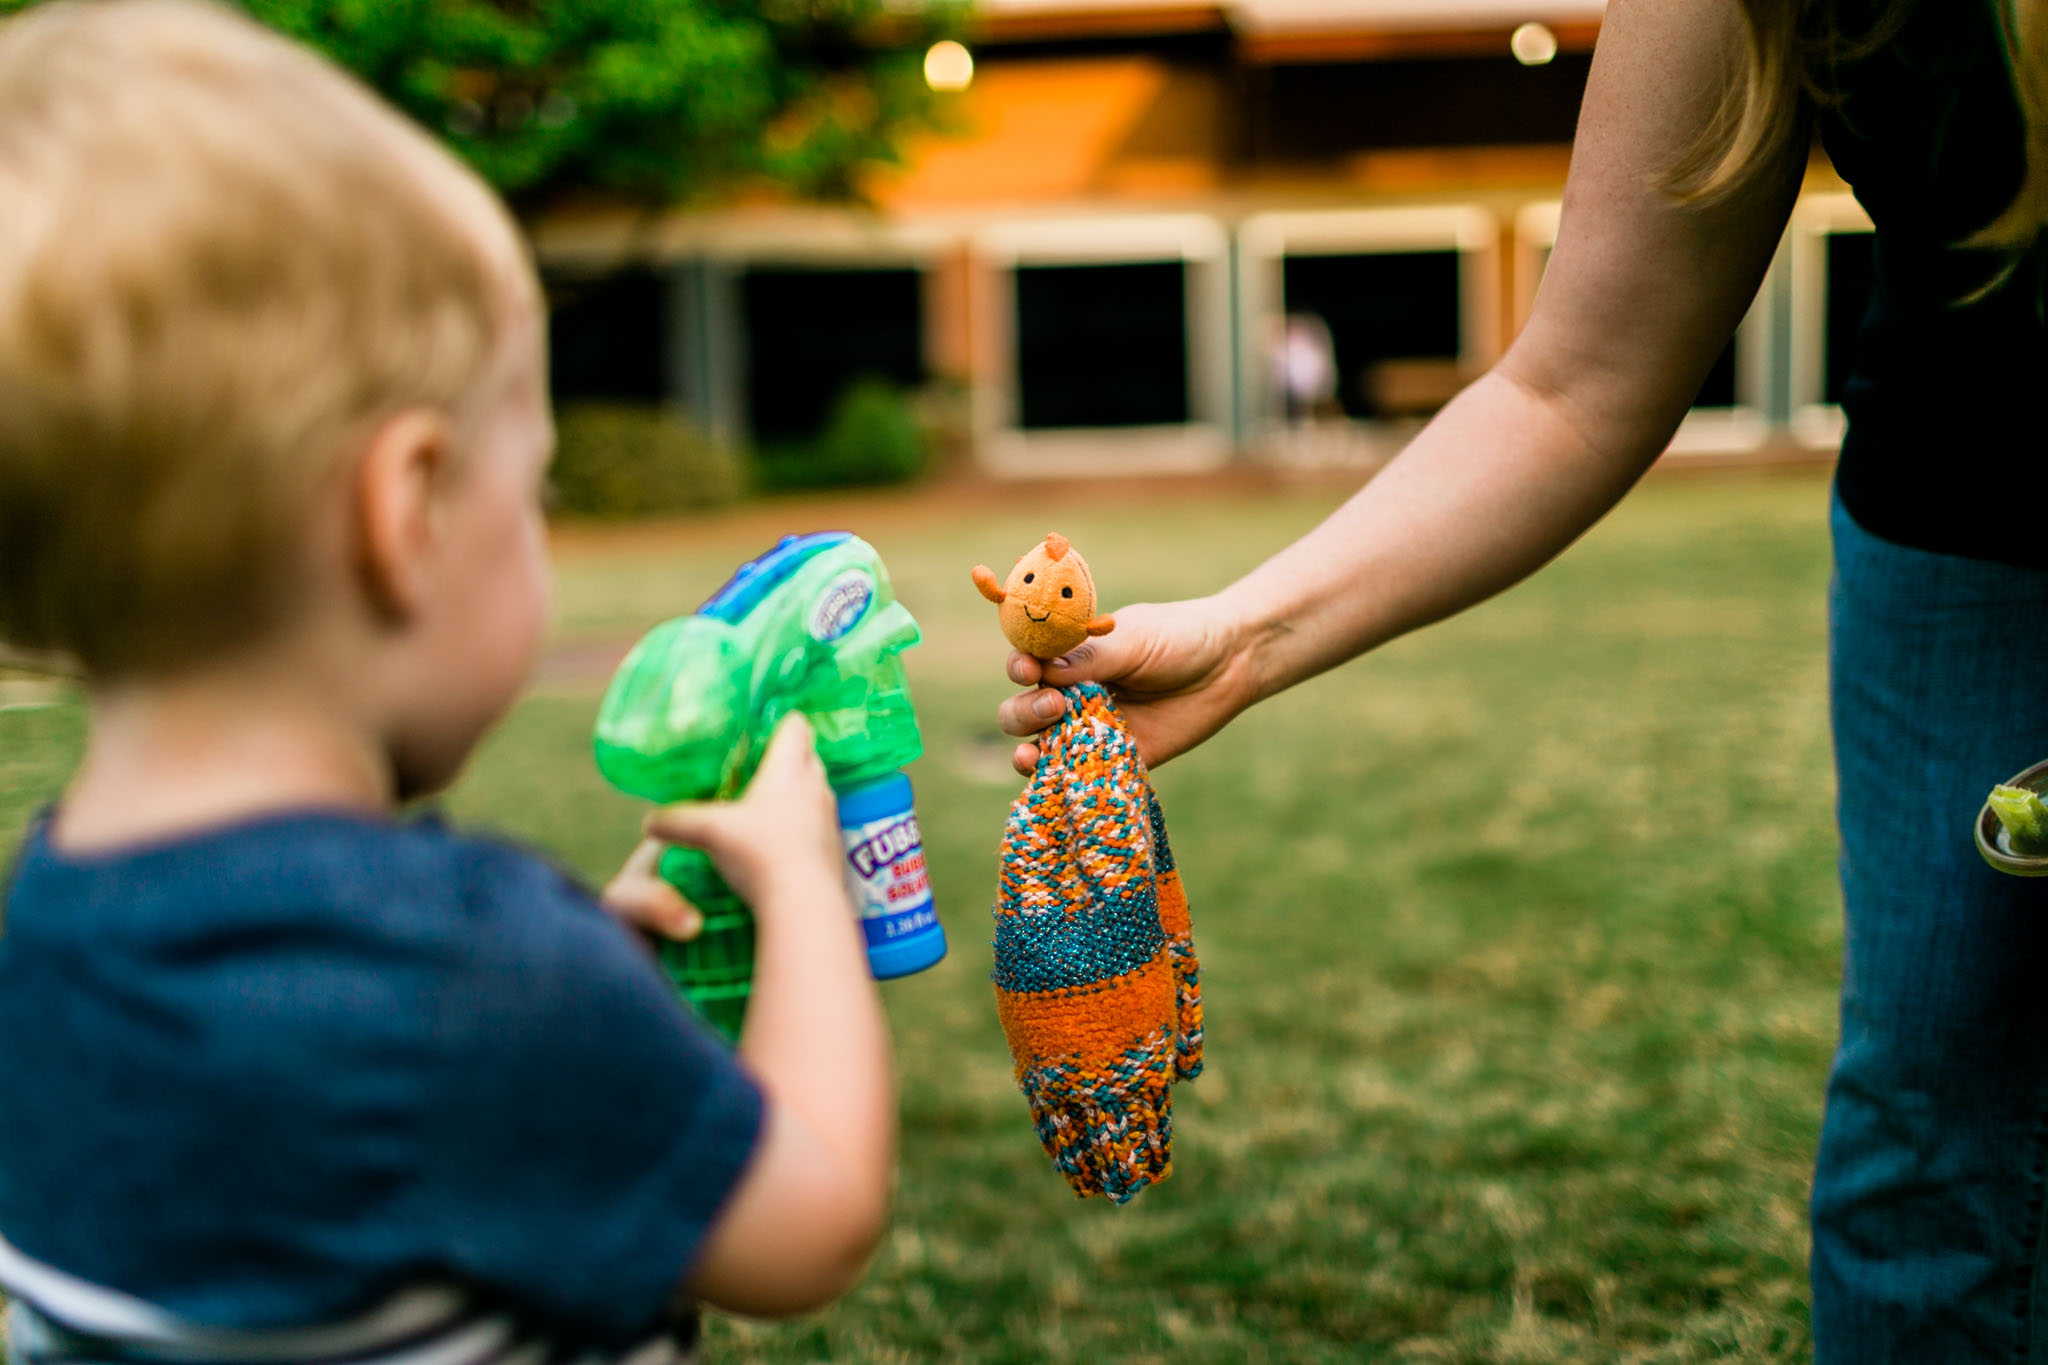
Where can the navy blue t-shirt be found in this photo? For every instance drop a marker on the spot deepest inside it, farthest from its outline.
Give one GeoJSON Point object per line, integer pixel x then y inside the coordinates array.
{"type": "Point", "coordinates": [271, 1074]}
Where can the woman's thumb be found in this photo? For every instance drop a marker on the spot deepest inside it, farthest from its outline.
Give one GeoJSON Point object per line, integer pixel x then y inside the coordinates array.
{"type": "Point", "coordinates": [1103, 658]}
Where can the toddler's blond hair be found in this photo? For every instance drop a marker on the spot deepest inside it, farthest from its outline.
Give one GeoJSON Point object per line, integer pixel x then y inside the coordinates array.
{"type": "Point", "coordinates": [223, 263]}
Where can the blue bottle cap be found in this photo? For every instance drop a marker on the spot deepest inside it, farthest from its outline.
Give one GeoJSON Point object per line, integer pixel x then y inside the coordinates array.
{"type": "Point", "coordinates": [875, 801]}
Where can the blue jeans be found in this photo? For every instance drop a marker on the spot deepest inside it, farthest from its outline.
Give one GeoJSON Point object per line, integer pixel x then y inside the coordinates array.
{"type": "Point", "coordinates": [1927, 1200]}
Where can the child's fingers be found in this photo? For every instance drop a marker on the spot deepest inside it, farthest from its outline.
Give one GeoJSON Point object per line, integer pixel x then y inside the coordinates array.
{"type": "Point", "coordinates": [656, 907]}
{"type": "Point", "coordinates": [792, 751]}
{"type": "Point", "coordinates": [645, 861]}
{"type": "Point", "coordinates": [792, 790]}
{"type": "Point", "coordinates": [1025, 670]}
{"type": "Point", "coordinates": [1024, 758]}
{"type": "Point", "coordinates": [787, 810]}
{"type": "Point", "coordinates": [641, 898]}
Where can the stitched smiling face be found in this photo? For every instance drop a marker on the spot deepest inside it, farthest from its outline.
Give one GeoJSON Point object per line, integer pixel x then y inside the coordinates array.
{"type": "Point", "coordinates": [1050, 600]}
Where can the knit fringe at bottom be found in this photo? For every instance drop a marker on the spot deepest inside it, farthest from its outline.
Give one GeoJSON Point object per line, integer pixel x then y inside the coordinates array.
{"type": "Point", "coordinates": [1109, 1129]}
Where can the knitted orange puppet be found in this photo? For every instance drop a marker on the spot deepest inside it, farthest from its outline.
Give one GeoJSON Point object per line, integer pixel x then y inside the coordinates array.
{"type": "Point", "coordinates": [1095, 972]}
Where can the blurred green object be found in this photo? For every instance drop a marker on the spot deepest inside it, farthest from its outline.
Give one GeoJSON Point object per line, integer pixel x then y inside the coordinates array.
{"type": "Point", "coordinates": [629, 459]}
{"type": "Point", "coordinates": [872, 436]}
{"type": "Point", "coordinates": [2019, 809]}
{"type": "Point", "coordinates": [812, 626]}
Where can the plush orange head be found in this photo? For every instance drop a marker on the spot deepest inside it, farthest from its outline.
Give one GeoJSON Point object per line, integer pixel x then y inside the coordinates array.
{"type": "Point", "coordinates": [1048, 601]}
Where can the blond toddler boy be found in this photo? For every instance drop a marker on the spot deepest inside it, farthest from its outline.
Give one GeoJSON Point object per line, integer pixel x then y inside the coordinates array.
{"type": "Point", "coordinates": [284, 1077]}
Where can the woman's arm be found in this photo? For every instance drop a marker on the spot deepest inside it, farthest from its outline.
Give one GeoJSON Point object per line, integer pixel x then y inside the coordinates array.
{"type": "Point", "coordinates": [1641, 295]}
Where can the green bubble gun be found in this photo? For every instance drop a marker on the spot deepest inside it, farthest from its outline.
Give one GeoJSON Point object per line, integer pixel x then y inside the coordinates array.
{"type": "Point", "coordinates": [811, 626]}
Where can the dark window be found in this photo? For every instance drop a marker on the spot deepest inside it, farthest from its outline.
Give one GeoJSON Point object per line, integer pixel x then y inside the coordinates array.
{"type": "Point", "coordinates": [1102, 345]}
{"type": "Point", "coordinates": [1401, 305]}
{"type": "Point", "coordinates": [607, 336]}
{"type": "Point", "coordinates": [1851, 271]}
{"type": "Point", "coordinates": [811, 333]}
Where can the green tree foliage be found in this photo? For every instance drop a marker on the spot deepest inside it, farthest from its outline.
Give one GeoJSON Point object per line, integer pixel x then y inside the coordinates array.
{"type": "Point", "coordinates": [658, 101]}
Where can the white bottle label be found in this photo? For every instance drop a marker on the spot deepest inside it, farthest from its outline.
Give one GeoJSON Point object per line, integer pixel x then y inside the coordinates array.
{"type": "Point", "coordinates": [885, 871]}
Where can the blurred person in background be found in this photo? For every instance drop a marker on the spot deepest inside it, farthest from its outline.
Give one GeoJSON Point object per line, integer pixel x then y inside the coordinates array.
{"type": "Point", "coordinates": [1928, 1210]}
{"type": "Point", "coordinates": [1305, 367]}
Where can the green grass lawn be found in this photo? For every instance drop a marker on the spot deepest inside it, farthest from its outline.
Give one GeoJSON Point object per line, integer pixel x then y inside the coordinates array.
{"type": "Point", "coordinates": [1519, 941]}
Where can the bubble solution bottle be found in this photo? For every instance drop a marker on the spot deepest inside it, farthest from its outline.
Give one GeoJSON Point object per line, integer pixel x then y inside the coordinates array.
{"type": "Point", "coordinates": [812, 626]}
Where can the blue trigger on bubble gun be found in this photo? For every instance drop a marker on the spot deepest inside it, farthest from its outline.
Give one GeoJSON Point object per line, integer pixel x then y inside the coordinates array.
{"type": "Point", "coordinates": [812, 626]}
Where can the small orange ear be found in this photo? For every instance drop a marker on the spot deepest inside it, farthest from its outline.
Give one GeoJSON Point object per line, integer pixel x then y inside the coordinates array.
{"type": "Point", "coordinates": [1102, 625]}
{"type": "Point", "coordinates": [985, 579]}
{"type": "Point", "coordinates": [1056, 545]}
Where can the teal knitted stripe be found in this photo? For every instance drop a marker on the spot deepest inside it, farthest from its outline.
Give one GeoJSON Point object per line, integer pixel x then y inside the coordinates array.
{"type": "Point", "coordinates": [1057, 933]}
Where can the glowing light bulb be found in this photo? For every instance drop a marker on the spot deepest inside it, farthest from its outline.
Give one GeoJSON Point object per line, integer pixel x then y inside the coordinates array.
{"type": "Point", "coordinates": [948, 66]}
{"type": "Point", "coordinates": [1532, 44]}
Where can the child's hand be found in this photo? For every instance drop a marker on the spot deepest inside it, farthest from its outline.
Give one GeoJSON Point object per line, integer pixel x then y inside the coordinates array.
{"type": "Point", "coordinates": [783, 833]}
{"type": "Point", "coordinates": [640, 898]}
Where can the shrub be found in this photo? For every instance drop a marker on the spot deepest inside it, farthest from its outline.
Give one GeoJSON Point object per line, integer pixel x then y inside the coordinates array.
{"type": "Point", "coordinates": [873, 436]}
{"type": "Point", "coordinates": [625, 460]}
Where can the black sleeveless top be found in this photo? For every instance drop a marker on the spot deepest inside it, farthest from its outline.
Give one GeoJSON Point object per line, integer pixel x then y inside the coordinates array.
{"type": "Point", "coordinates": [1947, 402]}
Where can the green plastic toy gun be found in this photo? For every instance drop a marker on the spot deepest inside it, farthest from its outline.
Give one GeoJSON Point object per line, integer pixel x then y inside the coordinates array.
{"type": "Point", "coordinates": [811, 626]}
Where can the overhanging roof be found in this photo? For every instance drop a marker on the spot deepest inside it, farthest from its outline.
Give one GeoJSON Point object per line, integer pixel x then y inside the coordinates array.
{"type": "Point", "coordinates": [1265, 16]}
{"type": "Point", "coordinates": [1300, 30]}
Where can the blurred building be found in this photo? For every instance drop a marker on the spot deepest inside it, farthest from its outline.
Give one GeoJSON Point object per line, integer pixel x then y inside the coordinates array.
{"type": "Point", "coordinates": [1099, 266]}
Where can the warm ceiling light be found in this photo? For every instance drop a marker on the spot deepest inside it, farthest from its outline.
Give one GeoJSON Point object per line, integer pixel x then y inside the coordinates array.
{"type": "Point", "coordinates": [948, 66]}
{"type": "Point", "coordinates": [1532, 44]}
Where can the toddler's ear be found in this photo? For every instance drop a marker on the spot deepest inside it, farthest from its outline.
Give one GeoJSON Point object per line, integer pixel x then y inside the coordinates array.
{"type": "Point", "coordinates": [395, 486]}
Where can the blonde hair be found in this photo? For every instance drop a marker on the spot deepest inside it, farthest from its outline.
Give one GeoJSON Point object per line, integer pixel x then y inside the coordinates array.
{"type": "Point", "coordinates": [222, 263]}
{"type": "Point", "coordinates": [1794, 49]}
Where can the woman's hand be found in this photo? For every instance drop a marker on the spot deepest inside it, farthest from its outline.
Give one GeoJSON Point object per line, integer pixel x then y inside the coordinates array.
{"type": "Point", "coordinates": [1180, 671]}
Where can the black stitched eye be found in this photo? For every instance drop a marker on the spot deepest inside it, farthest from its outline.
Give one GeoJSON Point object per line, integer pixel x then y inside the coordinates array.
{"type": "Point", "coordinates": [1066, 592]}
{"type": "Point", "coordinates": [1029, 577]}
